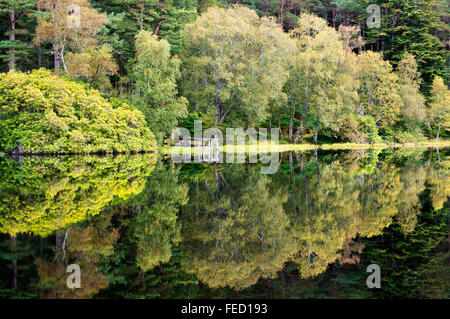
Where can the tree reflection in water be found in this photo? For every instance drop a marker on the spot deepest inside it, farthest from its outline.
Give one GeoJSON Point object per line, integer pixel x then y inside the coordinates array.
{"type": "Point", "coordinates": [141, 228]}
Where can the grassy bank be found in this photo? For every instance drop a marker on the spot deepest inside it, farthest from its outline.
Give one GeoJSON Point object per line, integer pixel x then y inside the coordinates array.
{"type": "Point", "coordinates": [255, 148]}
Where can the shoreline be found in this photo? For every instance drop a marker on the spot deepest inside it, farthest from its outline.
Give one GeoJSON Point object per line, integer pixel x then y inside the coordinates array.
{"type": "Point", "coordinates": [252, 148]}
{"type": "Point", "coordinates": [256, 148]}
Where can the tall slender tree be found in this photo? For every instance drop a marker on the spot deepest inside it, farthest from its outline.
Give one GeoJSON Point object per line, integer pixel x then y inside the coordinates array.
{"type": "Point", "coordinates": [15, 48]}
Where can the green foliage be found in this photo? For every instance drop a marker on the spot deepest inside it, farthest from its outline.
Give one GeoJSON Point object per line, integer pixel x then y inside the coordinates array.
{"type": "Point", "coordinates": [369, 128]}
{"type": "Point", "coordinates": [410, 26]}
{"type": "Point", "coordinates": [155, 73]}
{"type": "Point", "coordinates": [44, 113]}
{"type": "Point", "coordinates": [41, 195]}
{"type": "Point", "coordinates": [439, 111]}
{"type": "Point", "coordinates": [234, 65]}
{"type": "Point", "coordinates": [321, 77]}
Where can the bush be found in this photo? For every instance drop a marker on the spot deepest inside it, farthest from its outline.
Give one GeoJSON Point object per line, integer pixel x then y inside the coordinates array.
{"type": "Point", "coordinates": [369, 129]}
{"type": "Point", "coordinates": [44, 113]}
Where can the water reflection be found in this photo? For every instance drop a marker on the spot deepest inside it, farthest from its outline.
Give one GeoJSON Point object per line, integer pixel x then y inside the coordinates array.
{"type": "Point", "coordinates": [40, 195]}
{"type": "Point", "coordinates": [145, 228]}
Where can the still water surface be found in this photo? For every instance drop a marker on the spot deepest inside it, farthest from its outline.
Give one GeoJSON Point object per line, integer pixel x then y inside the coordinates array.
{"type": "Point", "coordinates": [143, 227]}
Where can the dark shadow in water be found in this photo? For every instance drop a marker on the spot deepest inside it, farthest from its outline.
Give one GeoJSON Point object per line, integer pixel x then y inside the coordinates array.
{"type": "Point", "coordinates": [138, 227]}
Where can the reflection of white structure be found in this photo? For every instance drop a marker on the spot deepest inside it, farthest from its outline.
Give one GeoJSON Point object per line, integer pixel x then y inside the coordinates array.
{"type": "Point", "coordinates": [209, 149]}
{"type": "Point", "coordinates": [211, 152]}
{"type": "Point", "coordinates": [207, 146]}
{"type": "Point", "coordinates": [199, 142]}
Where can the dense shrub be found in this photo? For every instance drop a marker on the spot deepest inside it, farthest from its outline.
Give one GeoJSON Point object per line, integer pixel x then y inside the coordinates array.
{"type": "Point", "coordinates": [369, 129]}
{"type": "Point", "coordinates": [44, 113]}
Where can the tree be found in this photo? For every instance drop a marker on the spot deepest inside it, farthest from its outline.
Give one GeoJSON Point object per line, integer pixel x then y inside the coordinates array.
{"type": "Point", "coordinates": [174, 15]}
{"type": "Point", "coordinates": [439, 111]}
{"type": "Point", "coordinates": [165, 18]}
{"type": "Point", "coordinates": [16, 48]}
{"type": "Point", "coordinates": [410, 26]}
{"type": "Point", "coordinates": [322, 79]}
{"type": "Point", "coordinates": [93, 65]}
{"type": "Point", "coordinates": [234, 64]}
{"type": "Point", "coordinates": [55, 27]}
{"type": "Point", "coordinates": [378, 90]}
{"type": "Point", "coordinates": [155, 73]}
{"type": "Point", "coordinates": [412, 109]}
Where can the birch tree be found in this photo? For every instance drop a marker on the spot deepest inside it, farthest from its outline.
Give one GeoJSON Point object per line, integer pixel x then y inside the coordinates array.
{"type": "Point", "coordinates": [67, 25]}
{"type": "Point", "coordinates": [439, 111]}
{"type": "Point", "coordinates": [235, 64]}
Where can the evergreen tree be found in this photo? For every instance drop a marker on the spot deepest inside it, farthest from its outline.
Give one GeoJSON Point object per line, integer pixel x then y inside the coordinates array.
{"type": "Point", "coordinates": [16, 48]}
{"type": "Point", "coordinates": [410, 26]}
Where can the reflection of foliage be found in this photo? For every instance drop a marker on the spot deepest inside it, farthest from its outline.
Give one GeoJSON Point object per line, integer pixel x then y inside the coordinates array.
{"type": "Point", "coordinates": [234, 240]}
{"type": "Point", "coordinates": [337, 202]}
{"type": "Point", "coordinates": [155, 225]}
{"type": "Point", "coordinates": [324, 214]}
{"type": "Point", "coordinates": [329, 205]}
{"type": "Point", "coordinates": [40, 195]}
{"type": "Point", "coordinates": [94, 240]}
{"type": "Point", "coordinates": [55, 275]}
{"type": "Point", "coordinates": [440, 185]}
{"type": "Point", "coordinates": [411, 267]}
{"type": "Point", "coordinates": [85, 245]}
{"type": "Point", "coordinates": [239, 229]}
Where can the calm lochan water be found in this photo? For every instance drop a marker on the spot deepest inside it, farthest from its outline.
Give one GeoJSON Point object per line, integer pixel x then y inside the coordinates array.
{"type": "Point", "coordinates": [143, 227]}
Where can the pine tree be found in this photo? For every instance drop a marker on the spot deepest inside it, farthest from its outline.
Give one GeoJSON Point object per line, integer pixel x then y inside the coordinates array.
{"type": "Point", "coordinates": [410, 26]}
{"type": "Point", "coordinates": [16, 49]}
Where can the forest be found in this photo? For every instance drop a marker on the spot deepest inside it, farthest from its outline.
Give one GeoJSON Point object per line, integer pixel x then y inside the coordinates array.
{"type": "Point", "coordinates": [116, 76]}
{"type": "Point", "coordinates": [92, 90]}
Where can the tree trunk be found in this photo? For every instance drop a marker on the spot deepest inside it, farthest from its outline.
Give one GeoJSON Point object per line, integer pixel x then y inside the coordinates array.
{"type": "Point", "coordinates": [141, 18]}
{"type": "Point", "coordinates": [439, 131]}
{"type": "Point", "coordinates": [56, 59]}
{"type": "Point", "coordinates": [196, 91]}
{"type": "Point", "coordinates": [317, 130]}
{"type": "Point", "coordinates": [300, 127]}
{"type": "Point", "coordinates": [217, 103]}
{"type": "Point", "coordinates": [62, 60]}
{"type": "Point", "coordinates": [291, 124]}
{"type": "Point", "coordinates": [14, 261]}
{"type": "Point", "coordinates": [12, 37]}
{"type": "Point", "coordinates": [304, 110]}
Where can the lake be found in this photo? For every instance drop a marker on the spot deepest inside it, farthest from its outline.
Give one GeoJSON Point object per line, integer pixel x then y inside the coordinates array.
{"type": "Point", "coordinates": [142, 226]}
